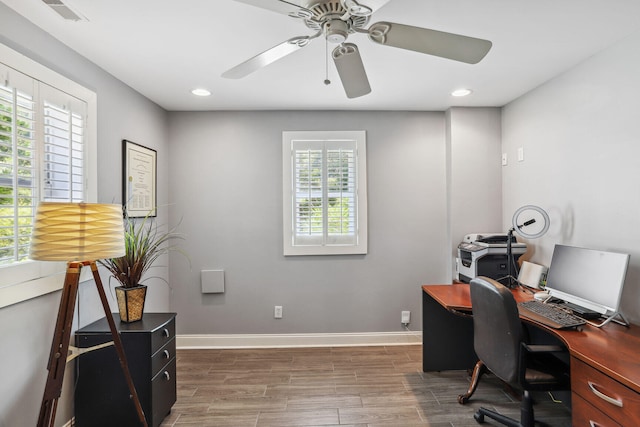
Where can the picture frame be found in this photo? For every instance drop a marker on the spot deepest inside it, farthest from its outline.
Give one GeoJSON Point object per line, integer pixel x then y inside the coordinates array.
{"type": "Point", "coordinates": [139, 180]}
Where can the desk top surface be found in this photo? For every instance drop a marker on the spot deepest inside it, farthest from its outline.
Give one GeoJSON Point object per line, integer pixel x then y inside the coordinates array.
{"type": "Point", "coordinates": [149, 323]}
{"type": "Point", "coordinates": [612, 349]}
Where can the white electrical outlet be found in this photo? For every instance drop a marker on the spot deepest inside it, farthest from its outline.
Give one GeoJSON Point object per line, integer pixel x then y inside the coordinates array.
{"type": "Point", "coordinates": [406, 317]}
{"type": "Point", "coordinates": [277, 312]}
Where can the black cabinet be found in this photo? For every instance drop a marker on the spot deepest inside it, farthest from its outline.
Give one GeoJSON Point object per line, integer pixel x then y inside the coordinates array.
{"type": "Point", "coordinates": [102, 396]}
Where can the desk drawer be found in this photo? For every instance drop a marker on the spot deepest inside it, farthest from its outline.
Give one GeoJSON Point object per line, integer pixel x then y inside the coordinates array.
{"type": "Point", "coordinates": [163, 392]}
{"type": "Point", "coordinates": [608, 395]}
{"type": "Point", "coordinates": [163, 335]}
{"type": "Point", "coordinates": [162, 357]}
{"type": "Point", "coordinates": [584, 414]}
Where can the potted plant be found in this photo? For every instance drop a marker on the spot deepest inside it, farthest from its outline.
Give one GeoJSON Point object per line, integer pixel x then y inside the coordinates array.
{"type": "Point", "coordinates": [144, 242]}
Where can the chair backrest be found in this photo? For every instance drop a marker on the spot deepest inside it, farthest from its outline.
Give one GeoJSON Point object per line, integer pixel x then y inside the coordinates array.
{"type": "Point", "coordinates": [497, 330]}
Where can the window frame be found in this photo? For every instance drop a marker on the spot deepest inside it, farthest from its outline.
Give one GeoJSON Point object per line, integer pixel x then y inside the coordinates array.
{"type": "Point", "coordinates": [289, 140]}
{"type": "Point", "coordinates": [30, 279]}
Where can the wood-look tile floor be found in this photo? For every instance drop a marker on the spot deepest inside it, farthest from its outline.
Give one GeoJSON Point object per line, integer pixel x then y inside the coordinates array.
{"type": "Point", "coordinates": [338, 386]}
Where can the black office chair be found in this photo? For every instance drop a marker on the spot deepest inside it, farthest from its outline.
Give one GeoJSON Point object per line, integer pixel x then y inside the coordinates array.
{"type": "Point", "coordinates": [499, 341]}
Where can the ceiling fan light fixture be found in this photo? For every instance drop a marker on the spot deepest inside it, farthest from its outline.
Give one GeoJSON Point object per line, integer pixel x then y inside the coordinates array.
{"type": "Point", "coordinates": [461, 92]}
{"type": "Point", "coordinates": [336, 31]}
{"type": "Point", "coordinates": [201, 92]}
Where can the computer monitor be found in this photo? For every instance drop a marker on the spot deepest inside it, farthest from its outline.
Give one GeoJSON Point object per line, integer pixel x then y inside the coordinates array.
{"type": "Point", "coordinates": [589, 278]}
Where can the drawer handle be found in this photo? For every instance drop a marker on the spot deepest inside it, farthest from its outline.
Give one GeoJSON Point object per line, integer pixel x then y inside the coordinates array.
{"type": "Point", "coordinates": [166, 375]}
{"type": "Point", "coordinates": [165, 333]}
{"type": "Point", "coordinates": [166, 354]}
{"type": "Point", "coordinates": [613, 401]}
{"type": "Point", "coordinates": [593, 424]}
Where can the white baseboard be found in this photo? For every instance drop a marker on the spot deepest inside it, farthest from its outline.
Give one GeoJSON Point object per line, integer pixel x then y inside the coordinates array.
{"type": "Point", "coordinates": [224, 341]}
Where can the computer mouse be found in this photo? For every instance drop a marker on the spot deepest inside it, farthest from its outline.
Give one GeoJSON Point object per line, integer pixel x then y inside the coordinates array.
{"type": "Point", "coordinates": [541, 296]}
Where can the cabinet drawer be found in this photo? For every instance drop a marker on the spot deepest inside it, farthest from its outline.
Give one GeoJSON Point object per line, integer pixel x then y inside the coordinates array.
{"type": "Point", "coordinates": [162, 357]}
{"type": "Point", "coordinates": [608, 395]}
{"type": "Point", "coordinates": [163, 335]}
{"type": "Point", "coordinates": [586, 415]}
{"type": "Point", "coordinates": [163, 392]}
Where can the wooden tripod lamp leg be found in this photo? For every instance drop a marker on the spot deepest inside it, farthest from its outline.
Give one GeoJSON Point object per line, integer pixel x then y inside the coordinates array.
{"type": "Point", "coordinates": [118, 344]}
{"type": "Point", "coordinates": [60, 346]}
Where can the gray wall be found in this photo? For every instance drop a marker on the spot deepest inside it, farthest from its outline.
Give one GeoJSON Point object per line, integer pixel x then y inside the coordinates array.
{"type": "Point", "coordinates": [227, 182]}
{"type": "Point", "coordinates": [580, 133]}
{"type": "Point", "coordinates": [26, 328]}
{"type": "Point", "coordinates": [475, 180]}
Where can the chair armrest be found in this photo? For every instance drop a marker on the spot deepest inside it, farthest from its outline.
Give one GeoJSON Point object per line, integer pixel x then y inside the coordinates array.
{"type": "Point", "coordinates": [539, 348]}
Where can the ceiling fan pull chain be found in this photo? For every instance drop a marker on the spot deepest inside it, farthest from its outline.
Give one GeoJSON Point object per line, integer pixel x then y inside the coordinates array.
{"type": "Point", "coordinates": [326, 62]}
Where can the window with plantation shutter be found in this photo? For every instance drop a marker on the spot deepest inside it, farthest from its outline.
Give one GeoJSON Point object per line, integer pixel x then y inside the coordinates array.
{"type": "Point", "coordinates": [47, 152]}
{"type": "Point", "coordinates": [325, 206]}
{"type": "Point", "coordinates": [18, 178]}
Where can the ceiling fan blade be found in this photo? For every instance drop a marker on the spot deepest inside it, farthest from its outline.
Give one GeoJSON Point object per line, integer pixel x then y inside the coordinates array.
{"type": "Point", "coordinates": [351, 70]}
{"type": "Point", "coordinates": [281, 6]}
{"type": "Point", "coordinates": [446, 45]}
{"type": "Point", "coordinates": [267, 57]}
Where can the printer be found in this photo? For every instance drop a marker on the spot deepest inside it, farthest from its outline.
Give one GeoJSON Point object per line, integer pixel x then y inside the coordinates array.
{"type": "Point", "coordinates": [485, 254]}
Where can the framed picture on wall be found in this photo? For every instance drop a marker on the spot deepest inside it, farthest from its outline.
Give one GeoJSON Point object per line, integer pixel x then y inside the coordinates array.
{"type": "Point", "coordinates": [139, 181]}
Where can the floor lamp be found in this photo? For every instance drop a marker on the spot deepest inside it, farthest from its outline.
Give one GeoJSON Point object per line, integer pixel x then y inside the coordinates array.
{"type": "Point", "coordinates": [80, 234]}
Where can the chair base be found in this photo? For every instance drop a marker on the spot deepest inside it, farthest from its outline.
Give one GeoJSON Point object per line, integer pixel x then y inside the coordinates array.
{"type": "Point", "coordinates": [526, 414]}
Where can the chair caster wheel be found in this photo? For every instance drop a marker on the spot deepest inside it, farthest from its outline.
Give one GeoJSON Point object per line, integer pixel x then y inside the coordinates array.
{"type": "Point", "coordinates": [478, 417]}
{"type": "Point", "coordinates": [462, 399]}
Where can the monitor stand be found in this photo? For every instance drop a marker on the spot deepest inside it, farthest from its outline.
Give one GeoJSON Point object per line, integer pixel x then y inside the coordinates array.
{"type": "Point", "coordinates": [590, 315]}
{"type": "Point", "coordinates": [616, 317]}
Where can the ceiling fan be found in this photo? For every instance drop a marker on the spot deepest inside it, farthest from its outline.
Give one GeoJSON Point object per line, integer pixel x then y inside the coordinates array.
{"type": "Point", "coordinates": [337, 19]}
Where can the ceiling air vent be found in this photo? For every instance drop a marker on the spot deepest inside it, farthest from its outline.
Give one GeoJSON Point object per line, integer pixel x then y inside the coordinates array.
{"type": "Point", "coordinates": [64, 10]}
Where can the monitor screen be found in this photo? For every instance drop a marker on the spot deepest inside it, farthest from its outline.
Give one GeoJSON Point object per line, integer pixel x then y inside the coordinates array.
{"type": "Point", "coordinates": [590, 278]}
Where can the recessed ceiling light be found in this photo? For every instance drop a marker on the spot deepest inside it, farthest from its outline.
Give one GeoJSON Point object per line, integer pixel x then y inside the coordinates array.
{"type": "Point", "coordinates": [201, 92]}
{"type": "Point", "coordinates": [461, 92]}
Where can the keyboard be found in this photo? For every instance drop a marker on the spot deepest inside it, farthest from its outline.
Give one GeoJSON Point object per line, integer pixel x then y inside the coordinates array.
{"type": "Point", "coordinates": [549, 314]}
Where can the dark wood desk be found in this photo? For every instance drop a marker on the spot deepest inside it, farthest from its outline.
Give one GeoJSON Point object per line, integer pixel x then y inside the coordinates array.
{"type": "Point", "coordinates": [605, 362]}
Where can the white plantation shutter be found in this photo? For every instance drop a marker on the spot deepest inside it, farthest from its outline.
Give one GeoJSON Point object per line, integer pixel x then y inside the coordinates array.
{"type": "Point", "coordinates": [63, 162]}
{"type": "Point", "coordinates": [341, 192]}
{"type": "Point", "coordinates": [18, 177]}
{"type": "Point", "coordinates": [47, 152]}
{"type": "Point", "coordinates": [324, 193]}
{"type": "Point", "coordinates": [308, 193]}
